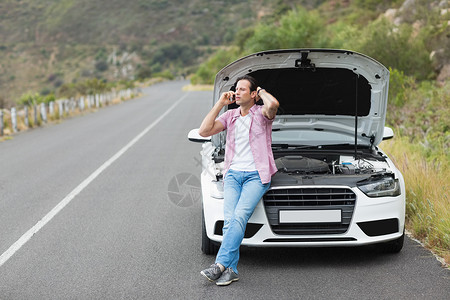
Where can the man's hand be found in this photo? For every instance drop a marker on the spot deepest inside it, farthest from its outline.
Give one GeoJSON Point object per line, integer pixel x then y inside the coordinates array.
{"type": "Point", "coordinates": [210, 125]}
{"type": "Point", "coordinates": [270, 103]}
{"type": "Point", "coordinates": [227, 98]}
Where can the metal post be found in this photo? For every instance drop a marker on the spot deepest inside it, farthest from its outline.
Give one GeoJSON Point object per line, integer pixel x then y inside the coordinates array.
{"type": "Point", "coordinates": [27, 121]}
{"type": "Point", "coordinates": [14, 119]}
{"type": "Point", "coordinates": [1, 122]}
{"type": "Point", "coordinates": [61, 109]}
{"type": "Point", "coordinates": [51, 108]}
{"type": "Point", "coordinates": [35, 115]}
{"type": "Point", "coordinates": [43, 113]}
{"type": "Point", "coordinates": [81, 103]}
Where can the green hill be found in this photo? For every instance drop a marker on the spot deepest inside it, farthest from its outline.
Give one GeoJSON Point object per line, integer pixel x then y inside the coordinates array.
{"type": "Point", "coordinates": [46, 43]}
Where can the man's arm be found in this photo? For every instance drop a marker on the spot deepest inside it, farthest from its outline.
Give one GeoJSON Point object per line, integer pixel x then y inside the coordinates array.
{"type": "Point", "coordinates": [271, 104]}
{"type": "Point", "coordinates": [211, 126]}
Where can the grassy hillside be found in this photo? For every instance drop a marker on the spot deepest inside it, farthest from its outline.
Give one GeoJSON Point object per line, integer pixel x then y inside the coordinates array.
{"type": "Point", "coordinates": [412, 38]}
{"type": "Point", "coordinates": [46, 43]}
{"type": "Point", "coordinates": [103, 22]}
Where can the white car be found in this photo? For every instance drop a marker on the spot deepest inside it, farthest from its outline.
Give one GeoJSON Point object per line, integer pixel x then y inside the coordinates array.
{"type": "Point", "coordinates": [334, 186]}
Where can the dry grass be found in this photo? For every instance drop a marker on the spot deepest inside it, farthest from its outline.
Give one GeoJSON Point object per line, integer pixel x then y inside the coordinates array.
{"type": "Point", "coordinates": [149, 82]}
{"type": "Point", "coordinates": [427, 199]}
{"type": "Point", "coordinates": [198, 87]}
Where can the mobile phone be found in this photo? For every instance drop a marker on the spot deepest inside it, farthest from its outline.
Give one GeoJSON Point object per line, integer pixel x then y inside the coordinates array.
{"type": "Point", "coordinates": [232, 97]}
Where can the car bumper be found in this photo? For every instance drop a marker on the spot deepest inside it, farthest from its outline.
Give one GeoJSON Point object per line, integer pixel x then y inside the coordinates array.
{"type": "Point", "coordinates": [369, 215]}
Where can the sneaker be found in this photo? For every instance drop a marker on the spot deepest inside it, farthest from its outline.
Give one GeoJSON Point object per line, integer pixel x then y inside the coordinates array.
{"type": "Point", "coordinates": [212, 273]}
{"type": "Point", "coordinates": [228, 276]}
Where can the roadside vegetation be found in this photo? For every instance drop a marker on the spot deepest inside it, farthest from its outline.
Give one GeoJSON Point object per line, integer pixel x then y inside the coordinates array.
{"type": "Point", "coordinates": [412, 41]}
{"type": "Point", "coordinates": [29, 114]}
{"type": "Point", "coordinates": [420, 150]}
{"type": "Point", "coordinates": [28, 106]}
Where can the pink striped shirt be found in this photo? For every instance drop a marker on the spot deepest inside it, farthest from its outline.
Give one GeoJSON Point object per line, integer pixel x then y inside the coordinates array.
{"type": "Point", "coordinates": [260, 140]}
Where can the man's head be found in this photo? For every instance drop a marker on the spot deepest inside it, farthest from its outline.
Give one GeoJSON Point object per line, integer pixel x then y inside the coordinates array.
{"type": "Point", "coordinates": [251, 80]}
{"type": "Point", "coordinates": [246, 90]}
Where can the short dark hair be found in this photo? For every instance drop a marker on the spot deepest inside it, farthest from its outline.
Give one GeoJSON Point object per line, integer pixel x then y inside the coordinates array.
{"type": "Point", "coordinates": [252, 80]}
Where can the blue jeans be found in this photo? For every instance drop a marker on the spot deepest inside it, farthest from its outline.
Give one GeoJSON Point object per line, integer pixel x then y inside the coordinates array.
{"type": "Point", "coordinates": [242, 192]}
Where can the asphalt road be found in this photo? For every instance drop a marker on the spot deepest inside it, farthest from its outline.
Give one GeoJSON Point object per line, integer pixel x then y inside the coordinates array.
{"type": "Point", "coordinates": [123, 235]}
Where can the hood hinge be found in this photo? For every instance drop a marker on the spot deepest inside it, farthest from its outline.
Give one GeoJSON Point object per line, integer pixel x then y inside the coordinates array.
{"type": "Point", "coordinates": [305, 63]}
{"type": "Point", "coordinates": [372, 139]}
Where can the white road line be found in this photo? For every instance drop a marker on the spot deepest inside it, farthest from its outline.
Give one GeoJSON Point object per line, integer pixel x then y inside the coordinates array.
{"type": "Point", "coordinates": [33, 230]}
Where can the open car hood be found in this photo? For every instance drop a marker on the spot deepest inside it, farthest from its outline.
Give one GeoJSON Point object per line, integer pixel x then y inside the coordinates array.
{"type": "Point", "coordinates": [324, 93]}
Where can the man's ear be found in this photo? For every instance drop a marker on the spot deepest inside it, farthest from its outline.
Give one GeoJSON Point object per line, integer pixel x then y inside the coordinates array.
{"type": "Point", "coordinates": [254, 95]}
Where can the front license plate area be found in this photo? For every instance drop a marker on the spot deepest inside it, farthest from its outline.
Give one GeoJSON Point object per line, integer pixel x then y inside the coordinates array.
{"type": "Point", "coordinates": [310, 216]}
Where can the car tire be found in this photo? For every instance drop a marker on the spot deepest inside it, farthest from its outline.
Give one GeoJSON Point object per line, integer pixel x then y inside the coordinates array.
{"type": "Point", "coordinates": [208, 246]}
{"type": "Point", "coordinates": [394, 246]}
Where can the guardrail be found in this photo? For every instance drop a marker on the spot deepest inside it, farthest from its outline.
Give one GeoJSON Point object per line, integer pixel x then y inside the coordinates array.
{"type": "Point", "coordinates": [15, 120]}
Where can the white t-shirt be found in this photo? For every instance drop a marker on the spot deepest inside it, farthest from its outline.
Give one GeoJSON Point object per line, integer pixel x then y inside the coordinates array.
{"type": "Point", "coordinates": [243, 157]}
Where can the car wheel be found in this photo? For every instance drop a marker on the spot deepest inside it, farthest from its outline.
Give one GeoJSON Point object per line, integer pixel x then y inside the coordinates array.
{"type": "Point", "coordinates": [394, 246]}
{"type": "Point", "coordinates": [208, 246]}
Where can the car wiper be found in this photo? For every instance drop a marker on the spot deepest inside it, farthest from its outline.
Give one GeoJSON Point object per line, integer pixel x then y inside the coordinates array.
{"type": "Point", "coordinates": [286, 146]}
{"type": "Point", "coordinates": [328, 146]}
{"type": "Point", "coordinates": [335, 145]}
{"type": "Point", "coordinates": [282, 146]}
{"type": "Point", "coordinates": [297, 147]}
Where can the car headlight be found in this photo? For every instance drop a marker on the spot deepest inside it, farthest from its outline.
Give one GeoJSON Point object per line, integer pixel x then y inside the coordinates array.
{"type": "Point", "coordinates": [380, 187]}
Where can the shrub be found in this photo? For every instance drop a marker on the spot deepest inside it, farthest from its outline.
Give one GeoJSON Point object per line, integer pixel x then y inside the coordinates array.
{"type": "Point", "coordinates": [242, 36]}
{"type": "Point", "coordinates": [101, 66]}
{"type": "Point", "coordinates": [343, 35]}
{"type": "Point", "coordinates": [144, 72]}
{"type": "Point", "coordinates": [379, 5]}
{"type": "Point", "coordinates": [87, 87]}
{"type": "Point", "coordinates": [176, 54]}
{"type": "Point", "coordinates": [45, 91]}
{"type": "Point", "coordinates": [424, 118]}
{"type": "Point", "coordinates": [394, 47]}
{"type": "Point", "coordinates": [28, 99]}
{"type": "Point", "coordinates": [48, 98]}
{"type": "Point", "coordinates": [207, 71]}
{"type": "Point", "coordinates": [298, 29]}
{"type": "Point", "coordinates": [165, 74]}
{"type": "Point", "coordinates": [399, 85]}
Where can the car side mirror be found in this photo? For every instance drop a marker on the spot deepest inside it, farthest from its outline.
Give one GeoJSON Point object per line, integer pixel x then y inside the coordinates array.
{"type": "Point", "coordinates": [193, 136]}
{"type": "Point", "coordinates": [388, 133]}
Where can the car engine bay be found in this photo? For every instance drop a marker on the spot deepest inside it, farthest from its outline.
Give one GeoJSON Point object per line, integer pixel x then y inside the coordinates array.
{"type": "Point", "coordinates": [328, 167]}
{"type": "Point", "coordinates": [317, 166]}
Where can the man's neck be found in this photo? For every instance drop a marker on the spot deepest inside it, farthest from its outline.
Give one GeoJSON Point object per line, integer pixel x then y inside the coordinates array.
{"type": "Point", "coordinates": [245, 109]}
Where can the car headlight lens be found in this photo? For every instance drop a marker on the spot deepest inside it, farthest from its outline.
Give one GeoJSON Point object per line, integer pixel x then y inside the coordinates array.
{"type": "Point", "coordinates": [380, 187]}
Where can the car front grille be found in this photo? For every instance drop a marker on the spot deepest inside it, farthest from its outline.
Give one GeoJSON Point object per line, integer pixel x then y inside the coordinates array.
{"type": "Point", "coordinates": [303, 199]}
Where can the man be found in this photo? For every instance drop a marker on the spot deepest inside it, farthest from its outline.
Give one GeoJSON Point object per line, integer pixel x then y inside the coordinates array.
{"type": "Point", "coordinates": [249, 165]}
